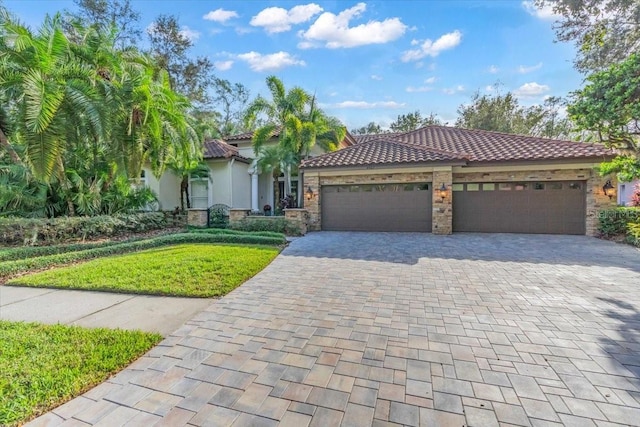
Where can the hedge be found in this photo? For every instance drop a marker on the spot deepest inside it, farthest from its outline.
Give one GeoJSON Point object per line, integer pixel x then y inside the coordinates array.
{"type": "Point", "coordinates": [238, 232]}
{"type": "Point", "coordinates": [614, 222]}
{"type": "Point", "coordinates": [20, 266]}
{"type": "Point", "coordinates": [37, 251]}
{"type": "Point", "coordinates": [265, 223]}
{"type": "Point", "coordinates": [23, 231]}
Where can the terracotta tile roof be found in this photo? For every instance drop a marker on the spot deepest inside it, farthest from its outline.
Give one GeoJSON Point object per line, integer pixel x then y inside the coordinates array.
{"type": "Point", "coordinates": [371, 136]}
{"type": "Point", "coordinates": [382, 151]}
{"type": "Point", "coordinates": [485, 146]}
{"type": "Point", "coordinates": [218, 149]}
{"type": "Point", "coordinates": [347, 141]}
{"type": "Point", "coordinates": [449, 144]}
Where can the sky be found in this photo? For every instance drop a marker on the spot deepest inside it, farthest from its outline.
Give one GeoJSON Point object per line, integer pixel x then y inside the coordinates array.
{"type": "Point", "coordinates": [370, 61]}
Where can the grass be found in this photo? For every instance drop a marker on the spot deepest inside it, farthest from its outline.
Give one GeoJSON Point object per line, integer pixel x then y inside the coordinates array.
{"type": "Point", "coordinates": [191, 270]}
{"type": "Point", "coordinates": [42, 366]}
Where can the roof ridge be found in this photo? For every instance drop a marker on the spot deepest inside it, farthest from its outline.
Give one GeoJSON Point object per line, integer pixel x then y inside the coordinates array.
{"type": "Point", "coordinates": [431, 148]}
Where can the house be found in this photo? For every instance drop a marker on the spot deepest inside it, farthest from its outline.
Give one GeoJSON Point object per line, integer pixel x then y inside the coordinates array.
{"type": "Point", "coordinates": [443, 179]}
{"type": "Point", "coordinates": [233, 178]}
{"type": "Point", "coordinates": [625, 191]}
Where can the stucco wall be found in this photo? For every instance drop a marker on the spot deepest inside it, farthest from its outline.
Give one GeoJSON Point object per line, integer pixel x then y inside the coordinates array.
{"type": "Point", "coordinates": [625, 191]}
{"type": "Point", "coordinates": [167, 188]}
{"type": "Point", "coordinates": [241, 186]}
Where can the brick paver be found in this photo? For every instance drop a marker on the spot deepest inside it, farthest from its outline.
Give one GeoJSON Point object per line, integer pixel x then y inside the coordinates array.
{"type": "Point", "coordinates": [391, 329]}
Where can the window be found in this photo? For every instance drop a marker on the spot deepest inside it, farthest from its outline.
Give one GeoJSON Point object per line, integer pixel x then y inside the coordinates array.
{"type": "Point", "coordinates": [488, 187]}
{"type": "Point", "coordinates": [423, 187]}
{"type": "Point", "coordinates": [199, 192]}
{"type": "Point", "coordinates": [556, 186]}
{"type": "Point", "coordinates": [575, 186]}
{"type": "Point", "coordinates": [473, 187]}
{"type": "Point", "coordinates": [505, 186]}
{"type": "Point", "coordinates": [538, 186]}
{"type": "Point", "coordinates": [457, 187]}
{"type": "Point", "coordinates": [521, 187]}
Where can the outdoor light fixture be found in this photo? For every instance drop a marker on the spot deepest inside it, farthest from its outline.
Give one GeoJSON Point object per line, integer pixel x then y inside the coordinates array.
{"type": "Point", "coordinates": [606, 187]}
{"type": "Point", "coordinates": [309, 193]}
{"type": "Point", "coordinates": [443, 192]}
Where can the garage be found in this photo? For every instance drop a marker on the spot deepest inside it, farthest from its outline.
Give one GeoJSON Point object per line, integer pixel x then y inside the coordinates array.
{"type": "Point", "coordinates": [377, 207]}
{"type": "Point", "coordinates": [520, 207]}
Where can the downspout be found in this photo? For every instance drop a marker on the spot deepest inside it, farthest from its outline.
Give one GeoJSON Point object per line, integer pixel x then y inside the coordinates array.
{"type": "Point", "coordinates": [233, 160]}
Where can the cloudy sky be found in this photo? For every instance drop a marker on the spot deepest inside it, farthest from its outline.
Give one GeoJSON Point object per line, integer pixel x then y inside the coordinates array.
{"type": "Point", "coordinates": [371, 61]}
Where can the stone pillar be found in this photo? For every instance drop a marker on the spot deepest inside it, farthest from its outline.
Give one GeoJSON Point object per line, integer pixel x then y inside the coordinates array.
{"type": "Point", "coordinates": [197, 217]}
{"type": "Point", "coordinates": [597, 201]}
{"type": "Point", "coordinates": [442, 216]}
{"type": "Point", "coordinates": [236, 215]}
{"type": "Point", "coordinates": [298, 219]}
{"type": "Point", "coordinates": [313, 206]}
{"type": "Point", "coordinates": [254, 192]}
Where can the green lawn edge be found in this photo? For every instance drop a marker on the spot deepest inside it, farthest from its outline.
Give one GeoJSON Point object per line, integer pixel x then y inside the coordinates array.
{"type": "Point", "coordinates": [43, 366]}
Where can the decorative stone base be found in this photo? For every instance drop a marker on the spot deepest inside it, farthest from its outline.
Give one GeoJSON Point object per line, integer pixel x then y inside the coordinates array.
{"type": "Point", "coordinates": [197, 217]}
{"type": "Point", "coordinates": [297, 219]}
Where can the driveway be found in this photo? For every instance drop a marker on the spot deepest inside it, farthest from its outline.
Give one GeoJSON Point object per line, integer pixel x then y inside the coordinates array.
{"type": "Point", "coordinates": [400, 329]}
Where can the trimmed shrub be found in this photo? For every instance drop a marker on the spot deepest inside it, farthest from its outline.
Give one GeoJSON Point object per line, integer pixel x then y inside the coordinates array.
{"type": "Point", "coordinates": [265, 223]}
{"type": "Point", "coordinates": [47, 231]}
{"type": "Point", "coordinates": [20, 266]}
{"type": "Point", "coordinates": [238, 232]}
{"type": "Point", "coordinates": [615, 222]}
{"type": "Point", "coordinates": [36, 251]}
{"type": "Point", "coordinates": [633, 236]}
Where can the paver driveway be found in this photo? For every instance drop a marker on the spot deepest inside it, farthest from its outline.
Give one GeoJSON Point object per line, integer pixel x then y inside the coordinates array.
{"type": "Point", "coordinates": [414, 329]}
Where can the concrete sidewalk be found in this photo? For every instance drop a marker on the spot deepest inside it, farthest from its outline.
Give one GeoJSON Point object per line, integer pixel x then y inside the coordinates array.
{"type": "Point", "coordinates": [98, 309]}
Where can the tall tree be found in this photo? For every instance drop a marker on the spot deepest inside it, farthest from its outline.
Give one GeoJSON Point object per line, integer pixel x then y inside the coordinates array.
{"type": "Point", "coordinates": [604, 31]}
{"type": "Point", "coordinates": [170, 46]}
{"type": "Point", "coordinates": [108, 14]}
{"type": "Point", "coordinates": [372, 128]}
{"type": "Point", "coordinates": [301, 125]}
{"type": "Point", "coordinates": [609, 105]}
{"type": "Point", "coordinates": [230, 102]}
{"type": "Point", "coordinates": [412, 121]}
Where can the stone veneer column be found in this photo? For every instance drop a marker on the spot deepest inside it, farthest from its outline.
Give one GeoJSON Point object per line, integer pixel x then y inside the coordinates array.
{"type": "Point", "coordinates": [442, 216]}
{"type": "Point", "coordinates": [197, 217]}
{"type": "Point", "coordinates": [297, 218]}
{"type": "Point", "coordinates": [313, 206]}
{"type": "Point", "coordinates": [597, 201]}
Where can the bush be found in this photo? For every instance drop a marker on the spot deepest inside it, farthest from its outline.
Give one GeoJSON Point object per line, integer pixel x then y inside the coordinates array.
{"type": "Point", "coordinates": [265, 223]}
{"type": "Point", "coordinates": [20, 266]}
{"type": "Point", "coordinates": [614, 222]}
{"type": "Point", "coordinates": [38, 231]}
{"type": "Point", "coordinates": [633, 236]}
{"type": "Point", "coordinates": [238, 232]}
{"type": "Point", "coordinates": [37, 251]}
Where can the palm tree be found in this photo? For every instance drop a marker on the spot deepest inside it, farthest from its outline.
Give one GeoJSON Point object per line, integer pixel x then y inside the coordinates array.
{"type": "Point", "coordinates": [301, 125]}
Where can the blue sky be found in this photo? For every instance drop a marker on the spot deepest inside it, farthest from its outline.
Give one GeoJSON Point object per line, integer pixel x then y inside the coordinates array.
{"type": "Point", "coordinates": [374, 60]}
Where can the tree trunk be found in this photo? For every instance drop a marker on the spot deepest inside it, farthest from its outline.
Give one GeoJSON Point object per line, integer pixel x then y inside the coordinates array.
{"type": "Point", "coordinates": [4, 142]}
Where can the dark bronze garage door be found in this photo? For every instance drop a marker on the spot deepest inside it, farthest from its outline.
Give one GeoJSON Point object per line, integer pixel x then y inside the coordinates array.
{"type": "Point", "coordinates": [527, 207]}
{"type": "Point", "coordinates": [388, 207]}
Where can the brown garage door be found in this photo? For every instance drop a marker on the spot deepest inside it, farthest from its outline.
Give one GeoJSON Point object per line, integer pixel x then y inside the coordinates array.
{"type": "Point", "coordinates": [525, 207]}
{"type": "Point", "coordinates": [388, 207]}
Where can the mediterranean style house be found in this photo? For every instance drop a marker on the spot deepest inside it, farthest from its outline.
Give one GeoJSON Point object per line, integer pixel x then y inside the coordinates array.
{"type": "Point", "coordinates": [435, 179]}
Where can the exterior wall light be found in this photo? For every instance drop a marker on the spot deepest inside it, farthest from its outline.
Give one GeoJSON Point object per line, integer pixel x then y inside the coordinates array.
{"type": "Point", "coordinates": [606, 187]}
{"type": "Point", "coordinates": [310, 194]}
{"type": "Point", "coordinates": [443, 192]}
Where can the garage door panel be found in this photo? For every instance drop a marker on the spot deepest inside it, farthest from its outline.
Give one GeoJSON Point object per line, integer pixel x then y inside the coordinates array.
{"type": "Point", "coordinates": [549, 207]}
{"type": "Point", "coordinates": [380, 207]}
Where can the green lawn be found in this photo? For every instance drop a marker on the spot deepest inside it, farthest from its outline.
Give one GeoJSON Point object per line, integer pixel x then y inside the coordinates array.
{"type": "Point", "coordinates": [41, 366]}
{"type": "Point", "coordinates": [193, 270]}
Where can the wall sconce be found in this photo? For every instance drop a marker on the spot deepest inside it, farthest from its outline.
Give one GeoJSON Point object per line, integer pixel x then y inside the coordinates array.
{"type": "Point", "coordinates": [606, 187]}
{"type": "Point", "coordinates": [309, 193]}
{"type": "Point", "coordinates": [443, 192]}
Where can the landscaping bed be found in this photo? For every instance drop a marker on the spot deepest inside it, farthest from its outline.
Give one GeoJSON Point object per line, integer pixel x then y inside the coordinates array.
{"type": "Point", "coordinates": [43, 366]}
{"type": "Point", "coordinates": [621, 224]}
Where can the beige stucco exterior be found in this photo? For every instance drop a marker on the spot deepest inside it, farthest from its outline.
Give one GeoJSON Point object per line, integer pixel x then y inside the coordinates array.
{"type": "Point", "coordinates": [448, 175]}
{"type": "Point", "coordinates": [166, 188]}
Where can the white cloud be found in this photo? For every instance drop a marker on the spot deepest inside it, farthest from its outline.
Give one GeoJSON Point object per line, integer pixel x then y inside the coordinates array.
{"type": "Point", "coordinates": [278, 20]}
{"type": "Point", "coordinates": [223, 65]}
{"type": "Point", "coordinates": [431, 48]}
{"type": "Point", "coordinates": [531, 89]}
{"type": "Point", "coordinates": [333, 31]}
{"type": "Point", "coordinates": [412, 89]}
{"type": "Point", "coordinates": [453, 90]}
{"type": "Point", "coordinates": [524, 70]}
{"type": "Point", "coordinates": [376, 77]}
{"type": "Point", "coordinates": [270, 62]}
{"type": "Point", "coordinates": [430, 80]}
{"type": "Point", "coordinates": [493, 69]}
{"type": "Point", "coordinates": [364, 105]}
{"type": "Point", "coordinates": [220, 15]}
{"type": "Point", "coordinates": [187, 32]}
{"type": "Point", "coordinates": [545, 12]}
